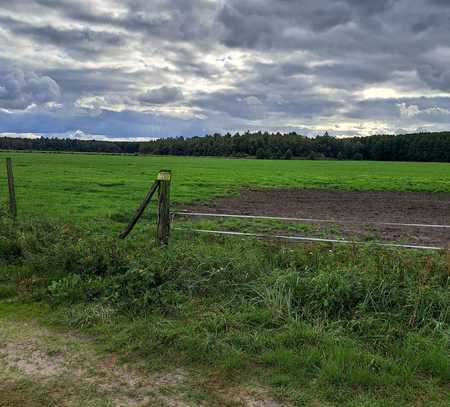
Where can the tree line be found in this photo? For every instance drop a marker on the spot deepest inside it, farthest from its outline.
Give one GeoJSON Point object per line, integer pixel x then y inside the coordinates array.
{"type": "Point", "coordinates": [405, 147]}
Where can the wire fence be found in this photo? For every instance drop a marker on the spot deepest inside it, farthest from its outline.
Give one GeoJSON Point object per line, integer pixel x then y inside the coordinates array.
{"type": "Point", "coordinates": [227, 215]}
{"type": "Point", "coordinates": [165, 216]}
{"type": "Point", "coordinates": [307, 238]}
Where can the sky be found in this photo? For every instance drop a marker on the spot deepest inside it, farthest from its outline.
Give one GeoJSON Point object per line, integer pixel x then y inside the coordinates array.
{"type": "Point", "coordinates": [139, 69]}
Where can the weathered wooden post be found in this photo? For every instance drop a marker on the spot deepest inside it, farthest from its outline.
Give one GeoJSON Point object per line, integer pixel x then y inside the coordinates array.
{"type": "Point", "coordinates": [163, 228]}
{"type": "Point", "coordinates": [12, 193]}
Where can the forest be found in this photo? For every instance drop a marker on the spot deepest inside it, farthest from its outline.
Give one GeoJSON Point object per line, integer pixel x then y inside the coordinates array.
{"type": "Point", "coordinates": [262, 145]}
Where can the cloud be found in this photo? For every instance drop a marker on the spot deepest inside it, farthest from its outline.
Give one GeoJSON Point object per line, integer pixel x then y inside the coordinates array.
{"type": "Point", "coordinates": [160, 96]}
{"type": "Point", "coordinates": [83, 42]}
{"type": "Point", "coordinates": [408, 110]}
{"type": "Point", "coordinates": [415, 110]}
{"type": "Point", "coordinates": [135, 68]}
{"type": "Point", "coordinates": [20, 89]}
{"type": "Point", "coordinates": [437, 77]}
{"type": "Point", "coordinates": [252, 101]}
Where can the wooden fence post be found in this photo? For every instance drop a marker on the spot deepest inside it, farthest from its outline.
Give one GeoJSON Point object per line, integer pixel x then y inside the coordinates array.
{"type": "Point", "coordinates": [140, 210]}
{"type": "Point", "coordinates": [163, 228]}
{"type": "Point", "coordinates": [12, 193]}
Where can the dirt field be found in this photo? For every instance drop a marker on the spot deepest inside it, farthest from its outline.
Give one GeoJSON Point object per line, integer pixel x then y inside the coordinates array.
{"type": "Point", "coordinates": [353, 206]}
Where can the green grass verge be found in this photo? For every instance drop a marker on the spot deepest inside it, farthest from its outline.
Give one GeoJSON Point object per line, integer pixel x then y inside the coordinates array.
{"type": "Point", "coordinates": [321, 325]}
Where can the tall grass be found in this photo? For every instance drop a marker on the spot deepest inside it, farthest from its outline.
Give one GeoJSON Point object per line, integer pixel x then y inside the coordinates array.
{"type": "Point", "coordinates": [338, 324]}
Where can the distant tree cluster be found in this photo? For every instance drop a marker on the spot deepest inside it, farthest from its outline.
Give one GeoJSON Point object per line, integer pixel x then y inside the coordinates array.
{"type": "Point", "coordinates": [71, 145]}
{"type": "Point", "coordinates": [406, 147]}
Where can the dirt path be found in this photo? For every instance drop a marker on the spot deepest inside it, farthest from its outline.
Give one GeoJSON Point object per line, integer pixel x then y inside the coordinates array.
{"type": "Point", "coordinates": [350, 206]}
{"type": "Point", "coordinates": [43, 368]}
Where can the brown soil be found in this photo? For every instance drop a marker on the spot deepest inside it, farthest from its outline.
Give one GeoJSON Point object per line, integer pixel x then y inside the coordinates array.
{"type": "Point", "coordinates": [353, 206]}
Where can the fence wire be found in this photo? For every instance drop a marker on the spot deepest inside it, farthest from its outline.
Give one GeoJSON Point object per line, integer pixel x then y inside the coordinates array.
{"type": "Point", "coordinates": [308, 238]}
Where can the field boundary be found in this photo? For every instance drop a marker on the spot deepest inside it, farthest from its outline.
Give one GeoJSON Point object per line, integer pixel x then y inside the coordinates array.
{"type": "Point", "coordinates": [239, 216]}
{"type": "Point", "coordinates": [307, 238]}
{"type": "Point", "coordinates": [311, 239]}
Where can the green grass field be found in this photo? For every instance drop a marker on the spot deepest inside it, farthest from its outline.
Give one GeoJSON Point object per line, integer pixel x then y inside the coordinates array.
{"type": "Point", "coordinates": [311, 325]}
{"type": "Point", "coordinates": [95, 187]}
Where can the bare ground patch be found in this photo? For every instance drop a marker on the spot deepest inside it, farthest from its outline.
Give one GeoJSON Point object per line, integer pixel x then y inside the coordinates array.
{"type": "Point", "coordinates": [43, 368]}
{"type": "Point", "coordinates": [348, 206]}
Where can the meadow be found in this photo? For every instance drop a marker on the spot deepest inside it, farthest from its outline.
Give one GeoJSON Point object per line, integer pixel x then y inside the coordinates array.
{"type": "Point", "coordinates": [312, 325]}
{"type": "Point", "coordinates": [98, 187]}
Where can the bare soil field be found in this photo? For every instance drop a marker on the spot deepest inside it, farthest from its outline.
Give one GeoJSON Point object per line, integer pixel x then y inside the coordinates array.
{"type": "Point", "coordinates": [362, 208]}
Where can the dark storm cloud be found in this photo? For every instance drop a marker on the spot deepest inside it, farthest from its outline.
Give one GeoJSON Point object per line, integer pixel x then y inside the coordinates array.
{"type": "Point", "coordinates": [261, 24]}
{"type": "Point", "coordinates": [188, 61]}
{"type": "Point", "coordinates": [370, 7]}
{"type": "Point", "coordinates": [101, 80]}
{"type": "Point", "coordinates": [226, 64]}
{"type": "Point", "coordinates": [443, 3]}
{"type": "Point", "coordinates": [161, 96]}
{"type": "Point", "coordinates": [436, 76]}
{"type": "Point", "coordinates": [167, 19]}
{"type": "Point", "coordinates": [84, 42]}
{"type": "Point", "coordinates": [256, 105]}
